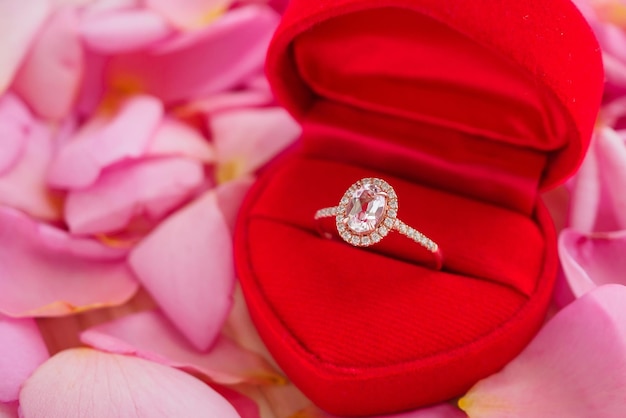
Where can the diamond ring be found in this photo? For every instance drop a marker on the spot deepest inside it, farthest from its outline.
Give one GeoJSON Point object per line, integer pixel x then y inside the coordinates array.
{"type": "Point", "coordinates": [368, 212]}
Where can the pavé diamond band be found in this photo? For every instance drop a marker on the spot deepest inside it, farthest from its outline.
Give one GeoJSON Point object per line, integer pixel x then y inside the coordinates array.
{"type": "Point", "coordinates": [366, 214]}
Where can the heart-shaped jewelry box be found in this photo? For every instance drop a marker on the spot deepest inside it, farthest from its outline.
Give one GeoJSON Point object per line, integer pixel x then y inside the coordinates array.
{"type": "Point", "coordinates": [469, 109]}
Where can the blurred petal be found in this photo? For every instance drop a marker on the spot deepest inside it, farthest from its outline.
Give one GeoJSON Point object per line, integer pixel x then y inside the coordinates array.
{"type": "Point", "coordinates": [611, 155]}
{"type": "Point", "coordinates": [175, 138]}
{"type": "Point", "coordinates": [585, 195]}
{"type": "Point", "coordinates": [24, 187]}
{"type": "Point", "coordinates": [126, 136]}
{"type": "Point", "coordinates": [149, 335]}
{"type": "Point", "coordinates": [15, 121]}
{"type": "Point", "coordinates": [592, 260]}
{"type": "Point", "coordinates": [612, 112]}
{"type": "Point", "coordinates": [94, 89]}
{"type": "Point", "coordinates": [247, 139]}
{"type": "Point", "coordinates": [598, 203]}
{"type": "Point", "coordinates": [230, 197]}
{"type": "Point", "coordinates": [9, 410]}
{"type": "Point", "coordinates": [150, 188]}
{"type": "Point", "coordinates": [562, 295]}
{"type": "Point", "coordinates": [246, 407]}
{"type": "Point", "coordinates": [438, 411]}
{"type": "Point", "coordinates": [21, 352]}
{"type": "Point", "coordinates": [57, 55]}
{"type": "Point", "coordinates": [88, 383]}
{"type": "Point", "coordinates": [124, 31]}
{"type": "Point", "coordinates": [190, 14]}
{"type": "Point", "coordinates": [186, 264]}
{"type": "Point", "coordinates": [65, 3]}
{"type": "Point", "coordinates": [20, 22]}
{"type": "Point", "coordinates": [46, 272]}
{"type": "Point", "coordinates": [575, 367]}
{"type": "Point", "coordinates": [228, 101]}
{"type": "Point", "coordinates": [107, 6]}
{"type": "Point", "coordinates": [200, 63]}
{"type": "Point", "coordinates": [615, 74]}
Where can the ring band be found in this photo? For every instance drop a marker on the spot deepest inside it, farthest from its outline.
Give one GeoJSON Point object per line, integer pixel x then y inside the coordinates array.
{"type": "Point", "coordinates": [367, 213]}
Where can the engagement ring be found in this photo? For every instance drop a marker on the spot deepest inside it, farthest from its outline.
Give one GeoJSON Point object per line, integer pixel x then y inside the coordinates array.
{"type": "Point", "coordinates": [366, 214]}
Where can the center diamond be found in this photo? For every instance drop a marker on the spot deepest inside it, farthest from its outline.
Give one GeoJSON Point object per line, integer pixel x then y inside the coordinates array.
{"type": "Point", "coordinates": [366, 208]}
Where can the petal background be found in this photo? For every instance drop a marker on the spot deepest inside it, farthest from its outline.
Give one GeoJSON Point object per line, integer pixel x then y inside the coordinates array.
{"type": "Point", "coordinates": [123, 31]}
{"type": "Point", "coordinates": [592, 260]}
{"type": "Point", "coordinates": [149, 335]}
{"type": "Point", "coordinates": [21, 352]}
{"type": "Point", "coordinates": [75, 382]}
{"type": "Point", "coordinates": [15, 122]}
{"type": "Point", "coordinates": [24, 186]}
{"type": "Point", "coordinates": [105, 142]}
{"type": "Point", "coordinates": [246, 139]}
{"type": "Point", "coordinates": [57, 55]}
{"type": "Point", "coordinates": [19, 23]}
{"type": "Point", "coordinates": [150, 188]}
{"type": "Point", "coordinates": [186, 264]}
{"type": "Point", "coordinates": [199, 63]}
{"type": "Point", "coordinates": [8, 410]}
{"type": "Point", "coordinates": [190, 14]}
{"type": "Point", "coordinates": [46, 272]}
{"type": "Point", "coordinates": [575, 366]}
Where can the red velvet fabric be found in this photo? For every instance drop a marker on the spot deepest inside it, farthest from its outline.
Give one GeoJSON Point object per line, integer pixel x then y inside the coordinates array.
{"type": "Point", "coordinates": [468, 110]}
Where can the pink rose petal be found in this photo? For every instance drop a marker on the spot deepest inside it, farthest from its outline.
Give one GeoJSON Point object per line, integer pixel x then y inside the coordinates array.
{"type": "Point", "coordinates": [246, 407]}
{"type": "Point", "coordinates": [175, 138]}
{"type": "Point", "coordinates": [200, 63]}
{"type": "Point", "coordinates": [24, 187]}
{"type": "Point", "coordinates": [586, 193]}
{"type": "Point", "coordinates": [101, 7]}
{"type": "Point", "coordinates": [150, 189]}
{"type": "Point", "coordinates": [124, 31]}
{"type": "Point", "coordinates": [438, 411]}
{"type": "Point", "coordinates": [230, 196]}
{"type": "Point", "coordinates": [149, 335]}
{"type": "Point", "coordinates": [91, 96]}
{"type": "Point", "coordinates": [56, 55]}
{"type": "Point", "coordinates": [186, 263]}
{"type": "Point", "coordinates": [611, 113]}
{"type": "Point", "coordinates": [88, 383]}
{"type": "Point", "coordinates": [15, 121]}
{"type": "Point", "coordinates": [9, 410]}
{"type": "Point", "coordinates": [611, 155]}
{"type": "Point", "coordinates": [72, 3]}
{"type": "Point", "coordinates": [126, 136]}
{"type": "Point", "coordinates": [615, 73]}
{"type": "Point", "coordinates": [575, 367]}
{"type": "Point", "coordinates": [21, 21]}
{"type": "Point", "coordinates": [189, 14]}
{"type": "Point", "coordinates": [229, 101]}
{"type": "Point", "coordinates": [46, 272]}
{"type": "Point", "coordinates": [247, 139]}
{"type": "Point", "coordinates": [592, 260]}
{"type": "Point", "coordinates": [21, 352]}
{"type": "Point", "coordinates": [562, 294]}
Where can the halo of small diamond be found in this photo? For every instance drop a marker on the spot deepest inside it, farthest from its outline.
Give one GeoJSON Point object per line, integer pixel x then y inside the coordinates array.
{"type": "Point", "coordinates": [385, 224]}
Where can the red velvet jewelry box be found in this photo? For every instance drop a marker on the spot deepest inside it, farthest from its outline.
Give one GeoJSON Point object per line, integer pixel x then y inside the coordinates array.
{"type": "Point", "coordinates": [469, 109]}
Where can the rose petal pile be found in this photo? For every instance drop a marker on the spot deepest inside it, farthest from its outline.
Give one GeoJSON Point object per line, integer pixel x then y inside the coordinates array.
{"type": "Point", "coordinates": [129, 133]}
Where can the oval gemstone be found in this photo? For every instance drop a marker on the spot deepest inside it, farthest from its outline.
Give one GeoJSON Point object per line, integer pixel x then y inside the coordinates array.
{"type": "Point", "coordinates": [366, 208]}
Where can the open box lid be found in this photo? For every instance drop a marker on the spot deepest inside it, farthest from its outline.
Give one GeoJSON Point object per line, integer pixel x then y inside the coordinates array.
{"type": "Point", "coordinates": [525, 73]}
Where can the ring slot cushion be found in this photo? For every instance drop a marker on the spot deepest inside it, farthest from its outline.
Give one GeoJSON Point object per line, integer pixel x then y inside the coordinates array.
{"type": "Point", "coordinates": [469, 110]}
